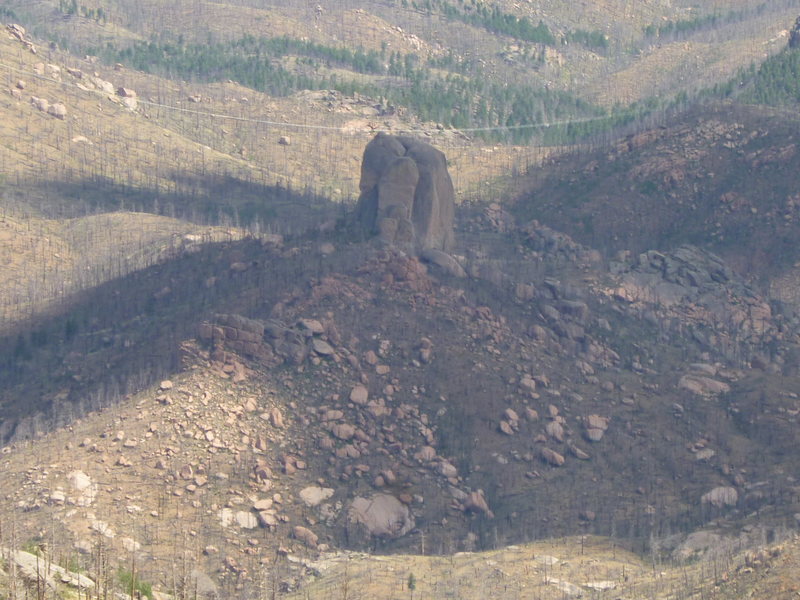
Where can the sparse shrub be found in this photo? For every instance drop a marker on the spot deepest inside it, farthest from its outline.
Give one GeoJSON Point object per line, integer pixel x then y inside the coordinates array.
{"type": "Point", "coordinates": [133, 585]}
{"type": "Point", "coordinates": [34, 546]}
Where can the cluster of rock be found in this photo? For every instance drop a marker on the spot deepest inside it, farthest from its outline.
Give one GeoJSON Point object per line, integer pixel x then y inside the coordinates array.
{"type": "Point", "coordinates": [355, 427]}
{"type": "Point", "coordinates": [18, 32]}
{"type": "Point", "coordinates": [121, 95]}
{"type": "Point", "coordinates": [270, 341]}
{"type": "Point", "coordinates": [54, 109]}
{"type": "Point", "coordinates": [556, 244]}
{"type": "Point", "coordinates": [57, 110]}
{"type": "Point", "coordinates": [355, 104]}
{"type": "Point", "coordinates": [694, 293]}
{"type": "Point", "coordinates": [705, 380]}
{"type": "Point", "coordinates": [556, 431]}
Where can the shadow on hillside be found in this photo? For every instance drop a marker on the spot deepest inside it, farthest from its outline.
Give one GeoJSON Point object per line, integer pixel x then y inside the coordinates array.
{"type": "Point", "coordinates": [204, 199]}
{"type": "Point", "coordinates": [123, 335]}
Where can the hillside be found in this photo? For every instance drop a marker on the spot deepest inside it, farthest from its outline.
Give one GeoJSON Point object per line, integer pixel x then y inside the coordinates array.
{"type": "Point", "coordinates": [193, 144]}
{"type": "Point", "coordinates": [640, 404]}
{"type": "Point", "coordinates": [214, 383]}
{"type": "Point", "coordinates": [718, 176]}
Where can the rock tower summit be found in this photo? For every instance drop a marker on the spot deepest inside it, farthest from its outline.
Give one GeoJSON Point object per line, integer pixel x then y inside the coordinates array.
{"type": "Point", "coordinates": [407, 196]}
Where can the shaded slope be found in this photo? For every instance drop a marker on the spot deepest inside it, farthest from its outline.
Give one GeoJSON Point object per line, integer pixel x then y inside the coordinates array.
{"type": "Point", "coordinates": [721, 177]}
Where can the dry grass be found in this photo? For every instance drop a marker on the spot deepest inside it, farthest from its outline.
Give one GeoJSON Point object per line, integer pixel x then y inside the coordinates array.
{"type": "Point", "coordinates": [588, 567]}
{"type": "Point", "coordinates": [691, 64]}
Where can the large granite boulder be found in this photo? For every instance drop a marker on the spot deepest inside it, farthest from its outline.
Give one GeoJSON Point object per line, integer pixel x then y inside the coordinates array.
{"type": "Point", "coordinates": [407, 196]}
{"type": "Point", "coordinates": [381, 516]}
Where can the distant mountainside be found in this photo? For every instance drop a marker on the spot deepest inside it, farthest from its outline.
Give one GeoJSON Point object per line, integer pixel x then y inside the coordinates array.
{"type": "Point", "coordinates": [463, 64]}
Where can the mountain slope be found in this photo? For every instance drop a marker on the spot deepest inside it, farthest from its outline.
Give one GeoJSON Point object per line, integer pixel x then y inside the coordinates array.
{"type": "Point", "coordinates": [719, 176]}
{"type": "Point", "coordinates": [578, 407]}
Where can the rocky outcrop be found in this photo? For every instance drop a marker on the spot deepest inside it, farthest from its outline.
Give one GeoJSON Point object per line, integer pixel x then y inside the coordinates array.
{"type": "Point", "coordinates": [407, 196]}
{"type": "Point", "coordinates": [44, 574]}
{"type": "Point", "coordinates": [269, 342]}
{"type": "Point", "coordinates": [692, 292]}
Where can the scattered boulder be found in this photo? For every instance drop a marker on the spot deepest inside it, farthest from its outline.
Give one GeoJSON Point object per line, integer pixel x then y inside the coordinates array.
{"type": "Point", "coordinates": [57, 110]}
{"type": "Point", "coordinates": [53, 71]}
{"type": "Point", "coordinates": [596, 427]}
{"type": "Point", "coordinates": [267, 519]}
{"type": "Point", "coordinates": [555, 430]}
{"type": "Point", "coordinates": [569, 590]}
{"type": "Point", "coordinates": [202, 585]}
{"type": "Point", "coordinates": [552, 457]}
{"type": "Point", "coordinates": [443, 260]}
{"type": "Point", "coordinates": [322, 347]}
{"type": "Point", "coordinates": [506, 428]}
{"type": "Point", "coordinates": [476, 502]}
{"type": "Point", "coordinates": [703, 386]}
{"type": "Point", "coordinates": [84, 486]}
{"type": "Point", "coordinates": [343, 431]}
{"type": "Point", "coordinates": [245, 519]}
{"type": "Point", "coordinates": [306, 536]}
{"type": "Point", "coordinates": [102, 85]}
{"type": "Point", "coordinates": [40, 103]}
{"type": "Point", "coordinates": [601, 586]}
{"type": "Point", "coordinates": [359, 395]}
{"type": "Point", "coordinates": [447, 469]}
{"type": "Point", "coordinates": [311, 326]}
{"type": "Point", "coordinates": [528, 384]}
